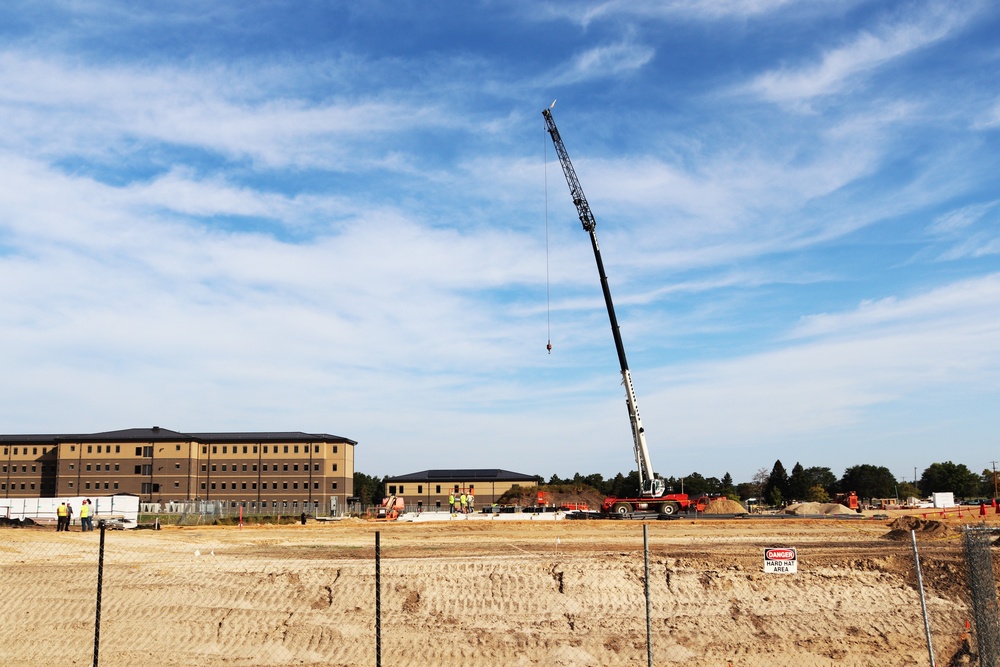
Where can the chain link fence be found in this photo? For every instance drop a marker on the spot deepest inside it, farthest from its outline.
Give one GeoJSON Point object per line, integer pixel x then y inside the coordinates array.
{"type": "Point", "coordinates": [225, 596]}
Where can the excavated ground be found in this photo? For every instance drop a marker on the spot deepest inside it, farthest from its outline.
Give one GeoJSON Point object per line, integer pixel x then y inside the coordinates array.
{"type": "Point", "coordinates": [469, 592]}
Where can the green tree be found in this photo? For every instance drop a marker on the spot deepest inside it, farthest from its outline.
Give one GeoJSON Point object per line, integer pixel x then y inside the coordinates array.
{"type": "Point", "coordinates": [948, 476]}
{"type": "Point", "coordinates": [727, 484]}
{"type": "Point", "coordinates": [798, 482]}
{"type": "Point", "coordinates": [778, 479]}
{"type": "Point", "coordinates": [822, 476]}
{"type": "Point", "coordinates": [869, 481]}
{"type": "Point", "coordinates": [368, 489]}
{"type": "Point", "coordinates": [695, 485]}
{"type": "Point", "coordinates": [907, 490]}
{"type": "Point", "coordinates": [817, 494]}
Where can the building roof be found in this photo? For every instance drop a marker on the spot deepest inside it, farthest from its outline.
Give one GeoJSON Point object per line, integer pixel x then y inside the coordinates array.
{"type": "Point", "coordinates": [278, 436]}
{"type": "Point", "coordinates": [465, 475]}
{"type": "Point", "coordinates": [157, 434]}
{"type": "Point", "coordinates": [30, 439]}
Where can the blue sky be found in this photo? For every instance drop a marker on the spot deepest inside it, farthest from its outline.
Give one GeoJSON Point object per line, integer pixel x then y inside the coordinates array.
{"type": "Point", "coordinates": [347, 217]}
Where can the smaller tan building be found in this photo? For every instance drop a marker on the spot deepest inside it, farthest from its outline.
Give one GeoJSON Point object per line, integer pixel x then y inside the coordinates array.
{"type": "Point", "coordinates": [429, 489]}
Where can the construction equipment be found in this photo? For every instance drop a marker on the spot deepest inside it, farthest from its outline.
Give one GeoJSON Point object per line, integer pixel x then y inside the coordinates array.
{"type": "Point", "coordinates": [652, 489]}
{"type": "Point", "coordinates": [849, 500]}
{"type": "Point", "coordinates": [390, 509]}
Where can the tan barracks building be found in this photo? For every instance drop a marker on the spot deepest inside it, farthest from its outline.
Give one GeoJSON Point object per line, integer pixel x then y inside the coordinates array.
{"type": "Point", "coordinates": [429, 489]}
{"type": "Point", "coordinates": [312, 472]}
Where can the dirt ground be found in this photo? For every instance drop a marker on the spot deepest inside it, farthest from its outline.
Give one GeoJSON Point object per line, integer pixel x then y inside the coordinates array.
{"type": "Point", "coordinates": [477, 592]}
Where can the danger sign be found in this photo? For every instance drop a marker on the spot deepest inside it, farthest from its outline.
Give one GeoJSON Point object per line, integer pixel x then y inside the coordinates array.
{"type": "Point", "coordinates": [781, 560]}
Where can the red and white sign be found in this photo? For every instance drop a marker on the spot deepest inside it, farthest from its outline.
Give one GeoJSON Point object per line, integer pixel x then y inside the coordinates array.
{"type": "Point", "coordinates": [781, 560]}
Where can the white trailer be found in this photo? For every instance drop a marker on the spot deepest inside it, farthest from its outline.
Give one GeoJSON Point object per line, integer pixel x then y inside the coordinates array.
{"type": "Point", "coordinates": [121, 507]}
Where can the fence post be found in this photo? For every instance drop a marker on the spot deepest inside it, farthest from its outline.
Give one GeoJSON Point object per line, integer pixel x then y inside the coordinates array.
{"type": "Point", "coordinates": [923, 602]}
{"type": "Point", "coordinates": [649, 618]}
{"type": "Point", "coordinates": [378, 602]}
{"type": "Point", "coordinates": [100, 582]}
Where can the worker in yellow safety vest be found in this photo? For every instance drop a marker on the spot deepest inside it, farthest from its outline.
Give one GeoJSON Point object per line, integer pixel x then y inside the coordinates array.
{"type": "Point", "coordinates": [86, 523]}
{"type": "Point", "coordinates": [451, 502]}
{"type": "Point", "coordinates": [62, 518]}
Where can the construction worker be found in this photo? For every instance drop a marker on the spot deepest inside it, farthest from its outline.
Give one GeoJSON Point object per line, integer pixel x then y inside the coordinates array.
{"type": "Point", "coordinates": [465, 503]}
{"type": "Point", "coordinates": [61, 518]}
{"type": "Point", "coordinates": [472, 502]}
{"type": "Point", "coordinates": [69, 516]}
{"type": "Point", "coordinates": [85, 523]}
{"type": "Point", "coordinates": [451, 502]}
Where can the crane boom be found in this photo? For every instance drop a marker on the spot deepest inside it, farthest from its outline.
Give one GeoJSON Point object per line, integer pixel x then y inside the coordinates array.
{"type": "Point", "coordinates": [650, 485]}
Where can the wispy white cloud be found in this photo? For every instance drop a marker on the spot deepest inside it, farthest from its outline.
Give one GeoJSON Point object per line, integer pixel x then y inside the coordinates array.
{"type": "Point", "coordinates": [839, 67]}
{"type": "Point", "coordinates": [601, 62]}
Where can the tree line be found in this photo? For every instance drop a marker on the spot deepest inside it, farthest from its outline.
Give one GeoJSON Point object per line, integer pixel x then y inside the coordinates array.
{"type": "Point", "coordinates": [814, 484]}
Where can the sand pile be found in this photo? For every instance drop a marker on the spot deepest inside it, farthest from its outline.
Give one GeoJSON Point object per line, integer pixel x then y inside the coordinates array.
{"type": "Point", "coordinates": [926, 528]}
{"type": "Point", "coordinates": [828, 509]}
{"type": "Point", "coordinates": [724, 506]}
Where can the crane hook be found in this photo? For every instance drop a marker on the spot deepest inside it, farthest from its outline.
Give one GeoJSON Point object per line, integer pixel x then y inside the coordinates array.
{"type": "Point", "coordinates": [549, 347]}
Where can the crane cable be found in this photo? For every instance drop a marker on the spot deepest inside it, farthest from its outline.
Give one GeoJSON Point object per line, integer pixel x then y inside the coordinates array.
{"type": "Point", "coordinates": [548, 304]}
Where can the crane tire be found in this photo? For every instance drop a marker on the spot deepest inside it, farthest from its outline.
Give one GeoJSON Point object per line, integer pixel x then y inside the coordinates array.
{"type": "Point", "coordinates": [669, 509]}
{"type": "Point", "coordinates": [621, 508]}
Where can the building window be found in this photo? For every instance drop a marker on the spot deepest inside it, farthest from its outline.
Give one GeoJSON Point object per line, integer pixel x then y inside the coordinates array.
{"type": "Point", "coordinates": [255, 449]}
{"type": "Point", "coordinates": [334, 486]}
{"type": "Point", "coordinates": [214, 467]}
{"type": "Point", "coordinates": [213, 486]}
{"type": "Point", "coordinates": [244, 467]}
{"type": "Point", "coordinates": [296, 449]}
{"type": "Point", "coordinates": [99, 449]}
{"type": "Point", "coordinates": [243, 485]}
{"type": "Point", "coordinates": [286, 449]}
{"type": "Point", "coordinates": [72, 466]}
{"type": "Point", "coordinates": [177, 448]}
{"type": "Point", "coordinates": [254, 467]}
{"type": "Point", "coordinates": [106, 485]}
{"type": "Point", "coordinates": [88, 467]}
{"type": "Point", "coordinates": [295, 485]}
{"type": "Point", "coordinates": [334, 467]}
{"type": "Point", "coordinates": [284, 467]}
{"type": "Point", "coordinates": [295, 467]}
{"type": "Point", "coordinates": [244, 449]}
{"type": "Point", "coordinates": [70, 485]}
{"type": "Point", "coordinates": [223, 467]}
{"type": "Point", "coordinates": [335, 449]}
{"type": "Point", "coordinates": [265, 450]}
{"type": "Point", "coordinates": [116, 469]}
{"type": "Point", "coordinates": [177, 485]}
{"type": "Point", "coordinates": [177, 466]}
{"type": "Point", "coordinates": [420, 488]}
{"type": "Point", "coordinates": [204, 449]}
{"type": "Point", "coordinates": [253, 485]}
{"type": "Point", "coordinates": [215, 449]}
{"type": "Point", "coordinates": [138, 451]}
{"type": "Point", "coordinates": [437, 489]}
{"type": "Point", "coordinates": [392, 490]}
{"type": "Point", "coordinates": [72, 448]}
{"type": "Point", "coordinates": [116, 485]}
{"type": "Point", "coordinates": [274, 467]}
{"type": "Point", "coordinates": [118, 450]}
{"type": "Point", "coordinates": [138, 470]}
{"type": "Point", "coordinates": [316, 467]}
{"type": "Point", "coordinates": [203, 486]}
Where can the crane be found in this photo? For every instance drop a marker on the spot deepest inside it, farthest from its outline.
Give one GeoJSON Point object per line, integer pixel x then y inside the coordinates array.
{"type": "Point", "coordinates": [651, 486]}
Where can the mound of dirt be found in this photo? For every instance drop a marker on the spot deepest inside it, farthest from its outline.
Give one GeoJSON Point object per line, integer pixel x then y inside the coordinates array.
{"type": "Point", "coordinates": [828, 509]}
{"type": "Point", "coordinates": [724, 506]}
{"type": "Point", "coordinates": [902, 526]}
